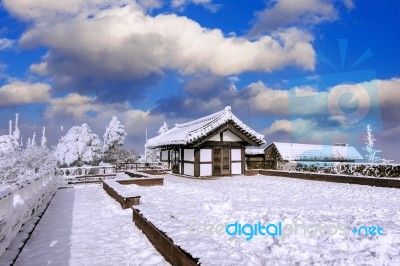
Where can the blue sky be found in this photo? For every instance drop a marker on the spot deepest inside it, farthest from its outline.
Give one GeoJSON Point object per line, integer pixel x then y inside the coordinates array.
{"type": "Point", "coordinates": [312, 71]}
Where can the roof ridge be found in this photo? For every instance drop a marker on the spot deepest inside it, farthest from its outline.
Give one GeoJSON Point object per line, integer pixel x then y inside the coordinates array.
{"type": "Point", "coordinates": [309, 144]}
{"type": "Point", "coordinates": [205, 118]}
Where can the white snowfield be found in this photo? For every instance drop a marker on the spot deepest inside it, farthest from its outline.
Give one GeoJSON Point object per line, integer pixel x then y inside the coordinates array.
{"type": "Point", "coordinates": [192, 213]}
{"type": "Point", "coordinates": [84, 226]}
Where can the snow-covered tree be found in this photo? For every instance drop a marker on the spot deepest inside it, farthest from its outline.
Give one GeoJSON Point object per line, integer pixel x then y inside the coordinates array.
{"type": "Point", "coordinates": [369, 147]}
{"type": "Point", "coordinates": [163, 128]}
{"type": "Point", "coordinates": [43, 140]}
{"type": "Point", "coordinates": [79, 146]}
{"type": "Point", "coordinates": [114, 137]}
{"type": "Point", "coordinates": [8, 144]}
{"type": "Point", "coordinates": [153, 155]}
{"type": "Point", "coordinates": [17, 132]}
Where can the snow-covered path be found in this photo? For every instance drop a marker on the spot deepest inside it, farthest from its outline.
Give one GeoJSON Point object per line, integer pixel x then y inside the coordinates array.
{"type": "Point", "coordinates": [84, 226]}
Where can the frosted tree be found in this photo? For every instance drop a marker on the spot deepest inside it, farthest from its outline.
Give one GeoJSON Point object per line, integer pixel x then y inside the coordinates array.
{"type": "Point", "coordinates": [8, 144]}
{"type": "Point", "coordinates": [163, 128]}
{"type": "Point", "coordinates": [386, 161]}
{"type": "Point", "coordinates": [114, 137]}
{"type": "Point", "coordinates": [153, 155]}
{"type": "Point", "coordinates": [79, 146]}
{"type": "Point", "coordinates": [369, 147]}
{"type": "Point", "coordinates": [17, 132]}
{"type": "Point", "coordinates": [33, 142]}
{"type": "Point", "coordinates": [43, 140]}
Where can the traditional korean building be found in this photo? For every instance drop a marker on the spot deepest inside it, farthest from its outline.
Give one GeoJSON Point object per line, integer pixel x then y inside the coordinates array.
{"type": "Point", "coordinates": [255, 158]}
{"type": "Point", "coordinates": [277, 153]}
{"type": "Point", "coordinates": [209, 146]}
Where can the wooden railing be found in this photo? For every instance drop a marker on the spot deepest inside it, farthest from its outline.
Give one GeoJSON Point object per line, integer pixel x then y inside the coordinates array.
{"type": "Point", "coordinates": [141, 166]}
{"type": "Point", "coordinates": [86, 171]}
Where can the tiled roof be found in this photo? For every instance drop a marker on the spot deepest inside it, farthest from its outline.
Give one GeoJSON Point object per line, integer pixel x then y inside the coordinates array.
{"type": "Point", "coordinates": [191, 132]}
{"type": "Point", "coordinates": [310, 152]}
{"type": "Point", "coordinates": [254, 151]}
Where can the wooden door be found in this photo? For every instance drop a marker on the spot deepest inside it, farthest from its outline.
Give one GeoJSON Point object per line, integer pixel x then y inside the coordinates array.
{"type": "Point", "coordinates": [221, 162]}
{"type": "Point", "coordinates": [217, 162]}
{"type": "Point", "coordinates": [175, 161]}
{"type": "Point", "coordinates": [226, 162]}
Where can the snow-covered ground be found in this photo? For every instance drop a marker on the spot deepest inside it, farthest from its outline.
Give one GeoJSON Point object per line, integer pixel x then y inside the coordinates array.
{"type": "Point", "coordinates": [84, 226]}
{"type": "Point", "coordinates": [186, 209]}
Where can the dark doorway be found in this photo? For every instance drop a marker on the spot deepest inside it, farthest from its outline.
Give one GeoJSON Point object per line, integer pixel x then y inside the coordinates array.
{"type": "Point", "coordinates": [175, 161]}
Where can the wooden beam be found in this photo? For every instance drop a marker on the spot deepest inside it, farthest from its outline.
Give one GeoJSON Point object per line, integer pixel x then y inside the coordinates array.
{"type": "Point", "coordinates": [197, 162]}
{"type": "Point", "coordinates": [171, 252]}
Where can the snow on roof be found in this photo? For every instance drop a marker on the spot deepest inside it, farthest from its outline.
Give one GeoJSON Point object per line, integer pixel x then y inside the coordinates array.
{"type": "Point", "coordinates": [254, 151]}
{"type": "Point", "coordinates": [190, 132]}
{"type": "Point", "coordinates": [310, 152]}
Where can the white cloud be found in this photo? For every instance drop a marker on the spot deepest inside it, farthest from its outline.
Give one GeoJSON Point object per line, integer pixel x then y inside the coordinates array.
{"type": "Point", "coordinates": [181, 4]}
{"type": "Point", "coordinates": [263, 99]}
{"type": "Point", "coordinates": [125, 42]}
{"type": "Point", "coordinates": [137, 121]}
{"type": "Point", "coordinates": [150, 4]}
{"type": "Point", "coordinates": [72, 106]}
{"type": "Point", "coordinates": [6, 43]}
{"type": "Point", "coordinates": [18, 93]}
{"type": "Point", "coordinates": [349, 4]}
{"type": "Point", "coordinates": [78, 107]}
{"type": "Point", "coordinates": [389, 92]}
{"type": "Point", "coordinates": [75, 108]}
{"type": "Point", "coordinates": [306, 131]}
{"type": "Point", "coordinates": [298, 127]}
{"type": "Point", "coordinates": [283, 13]}
{"type": "Point", "coordinates": [49, 9]}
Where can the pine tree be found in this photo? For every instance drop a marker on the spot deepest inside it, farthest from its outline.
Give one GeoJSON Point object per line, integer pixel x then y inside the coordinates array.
{"type": "Point", "coordinates": [79, 146]}
{"type": "Point", "coordinates": [114, 136]}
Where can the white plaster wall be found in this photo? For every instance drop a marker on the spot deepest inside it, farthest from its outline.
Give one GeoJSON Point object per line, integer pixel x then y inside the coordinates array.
{"type": "Point", "coordinates": [188, 169]}
{"type": "Point", "coordinates": [229, 136]}
{"type": "Point", "coordinates": [236, 155]}
{"type": "Point", "coordinates": [205, 169]}
{"type": "Point", "coordinates": [188, 155]}
{"type": "Point", "coordinates": [205, 155]}
{"type": "Point", "coordinates": [164, 155]}
{"type": "Point", "coordinates": [215, 138]}
{"type": "Point", "coordinates": [236, 168]}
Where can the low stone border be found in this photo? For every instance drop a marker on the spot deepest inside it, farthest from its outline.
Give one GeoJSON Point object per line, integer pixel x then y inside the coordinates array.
{"type": "Point", "coordinates": [157, 181]}
{"type": "Point", "coordinates": [88, 179]}
{"type": "Point", "coordinates": [252, 172]}
{"type": "Point", "coordinates": [171, 252]}
{"type": "Point", "coordinates": [126, 202]}
{"type": "Point", "coordinates": [135, 174]}
{"type": "Point", "coordinates": [377, 182]}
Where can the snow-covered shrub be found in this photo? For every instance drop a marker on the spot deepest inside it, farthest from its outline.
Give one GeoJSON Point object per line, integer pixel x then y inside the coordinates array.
{"type": "Point", "coordinates": [121, 156]}
{"type": "Point", "coordinates": [25, 164]}
{"type": "Point", "coordinates": [79, 146]}
{"type": "Point", "coordinates": [114, 137]}
{"type": "Point", "coordinates": [356, 169]}
{"type": "Point", "coordinates": [8, 144]}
